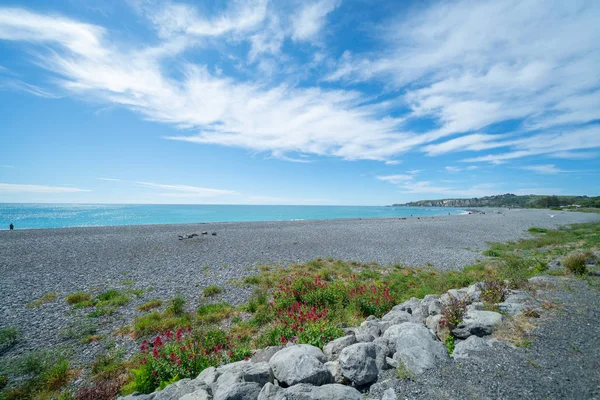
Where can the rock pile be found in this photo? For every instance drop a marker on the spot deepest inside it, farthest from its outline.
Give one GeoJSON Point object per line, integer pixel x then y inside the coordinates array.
{"type": "Point", "coordinates": [408, 337]}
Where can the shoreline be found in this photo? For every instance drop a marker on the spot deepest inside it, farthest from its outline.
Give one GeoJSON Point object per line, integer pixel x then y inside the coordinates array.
{"type": "Point", "coordinates": [184, 224]}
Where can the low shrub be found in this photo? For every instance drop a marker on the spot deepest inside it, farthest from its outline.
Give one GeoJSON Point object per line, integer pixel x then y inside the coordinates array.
{"type": "Point", "coordinates": [211, 291]}
{"type": "Point", "coordinates": [8, 336]}
{"type": "Point", "coordinates": [185, 354]}
{"type": "Point", "coordinates": [77, 298]}
{"type": "Point", "coordinates": [575, 262]}
{"type": "Point", "coordinates": [45, 370]}
{"type": "Point", "coordinates": [177, 306]}
{"type": "Point", "coordinates": [454, 310]}
{"type": "Point", "coordinates": [493, 291]}
{"type": "Point", "coordinates": [535, 229]}
{"type": "Point", "coordinates": [112, 297]}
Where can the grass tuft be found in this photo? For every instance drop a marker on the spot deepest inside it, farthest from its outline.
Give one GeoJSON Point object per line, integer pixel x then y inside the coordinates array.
{"type": "Point", "coordinates": [155, 303]}
{"type": "Point", "coordinates": [8, 336]}
{"type": "Point", "coordinates": [78, 298]}
{"type": "Point", "coordinates": [47, 298]}
{"type": "Point", "coordinates": [211, 291]}
{"type": "Point", "coordinates": [575, 262]}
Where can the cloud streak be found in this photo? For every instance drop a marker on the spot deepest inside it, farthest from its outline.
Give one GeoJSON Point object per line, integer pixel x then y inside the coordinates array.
{"type": "Point", "coordinates": [23, 188]}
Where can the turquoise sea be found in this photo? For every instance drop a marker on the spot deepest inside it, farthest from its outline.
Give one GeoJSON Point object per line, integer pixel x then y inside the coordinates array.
{"type": "Point", "coordinates": [71, 215]}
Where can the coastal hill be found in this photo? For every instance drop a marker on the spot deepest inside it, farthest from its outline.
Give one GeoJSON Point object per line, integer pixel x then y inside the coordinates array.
{"type": "Point", "coordinates": [510, 200]}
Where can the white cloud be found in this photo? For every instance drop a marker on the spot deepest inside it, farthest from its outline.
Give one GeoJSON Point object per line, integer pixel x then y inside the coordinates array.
{"type": "Point", "coordinates": [180, 19]}
{"type": "Point", "coordinates": [550, 169]}
{"type": "Point", "coordinates": [396, 179]}
{"type": "Point", "coordinates": [453, 169]}
{"type": "Point", "coordinates": [311, 18]}
{"type": "Point", "coordinates": [466, 65]}
{"type": "Point", "coordinates": [187, 190]}
{"type": "Point", "coordinates": [471, 64]}
{"type": "Point", "coordinates": [21, 188]}
{"type": "Point", "coordinates": [110, 179]}
{"type": "Point", "coordinates": [427, 187]}
{"type": "Point", "coordinates": [563, 143]}
{"type": "Point", "coordinates": [6, 166]}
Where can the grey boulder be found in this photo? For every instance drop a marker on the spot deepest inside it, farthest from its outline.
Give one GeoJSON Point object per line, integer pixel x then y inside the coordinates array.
{"type": "Point", "coordinates": [358, 363]}
{"type": "Point", "coordinates": [308, 392]}
{"type": "Point", "coordinates": [238, 391]}
{"type": "Point", "coordinates": [264, 355]}
{"type": "Point", "coordinates": [416, 348]}
{"type": "Point", "coordinates": [478, 323]}
{"type": "Point", "coordinates": [466, 348]}
{"type": "Point", "coordinates": [300, 364]}
{"type": "Point", "coordinates": [200, 394]}
{"type": "Point", "coordinates": [333, 349]}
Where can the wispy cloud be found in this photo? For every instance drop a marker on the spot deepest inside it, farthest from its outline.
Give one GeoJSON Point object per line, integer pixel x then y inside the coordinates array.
{"type": "Point", "coordinates": [22, 188]}
{"type": "Point", "coordinates": [6, 166]}
{"type": "Point", "coordinates": [465, 66]}
{"type": "Point", "coordinates": [311, 18]}
{"type": "Point", "coordinates": [453, 169]}
{"type": "Point", "coordinates": [186, 189]}
{"type": "Point", "coordinates": [549, 169]}
{"type": "Point", "coordinates": [109, 179]}
{"type": "Point", "coordinates": [469, 65]}
{"type": "Point", "coordinates": [399, 178]}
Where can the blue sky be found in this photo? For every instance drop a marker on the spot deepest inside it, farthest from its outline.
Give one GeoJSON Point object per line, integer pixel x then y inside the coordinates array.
{"type": "Point", "coordinates": [297, 102]}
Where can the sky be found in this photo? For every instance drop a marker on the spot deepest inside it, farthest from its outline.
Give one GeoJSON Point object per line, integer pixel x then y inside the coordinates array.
{"type": "Point", "coordinates": [338, 102]}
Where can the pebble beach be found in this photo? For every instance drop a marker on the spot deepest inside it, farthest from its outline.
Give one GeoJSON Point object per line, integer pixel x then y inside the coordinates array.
{"type": "Point", "coordinates": [153, 258]}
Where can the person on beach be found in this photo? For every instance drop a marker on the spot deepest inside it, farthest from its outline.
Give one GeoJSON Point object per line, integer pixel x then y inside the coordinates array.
{"type": "Point", "coordinates": [11, 227]}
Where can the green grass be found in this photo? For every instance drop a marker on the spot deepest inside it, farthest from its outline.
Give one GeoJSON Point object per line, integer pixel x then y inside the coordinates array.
{"type": "Point", "coordinates": [575, 262]}
{"type": "Point", "coordinates": [8, 336]}
{"type": "Point", "coordinates": [211, 291]}
{"type": "Point", "coordinates": [157, 322]}
{"type": "Point", "coordinates": [47, 298]}
{"type": "Point", "coordinates": [149, 305]}
{"type": "Point", "coordinates": [78, 298]}
{"type": "Point", "coordinates": [213, 313]}
{"type": "Point", "coordinates": [535, 229]}
{"type": "Point", "coordinates": [45, 373]}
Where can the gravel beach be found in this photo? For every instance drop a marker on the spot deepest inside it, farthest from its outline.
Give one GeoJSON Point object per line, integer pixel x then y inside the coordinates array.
{"type": "Point", "coordinates": [152, 258]}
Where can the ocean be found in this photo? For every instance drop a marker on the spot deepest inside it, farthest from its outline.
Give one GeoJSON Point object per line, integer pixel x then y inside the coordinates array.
{"type": "Point", "coordinates": [27, 216]}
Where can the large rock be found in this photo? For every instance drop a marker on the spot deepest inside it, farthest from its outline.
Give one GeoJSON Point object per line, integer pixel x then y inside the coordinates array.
{"type": "Point", "coordinates": [474, 292]}
{"type": "Point", "coordinates": [478, 323]}
{"type": "Point", "coordinates": [208, 376]}
{"type": "Point", "coordinates": [300, 364]}
{"type": "Point", "coordinates": [358, 363]}
{"type": "Point", "coordinates": [333, 349]}
{"type": "Point", "coordinates": [200, 394]}
{"type": "Point", "coordinates": [336, 371]}
{"type": "Point", "coordinates": [257, 372]}
{"type": "Point", "coordinates": [264, 355]}
{"type": "Point", "coordinates": [238, 391]}
{"type": "Point", "coordinates": [177, 390]}
{"type": "Point", "coordinates": [415, 347]}
{"type": "Point", "coordinates": [308, 392]}
{"type": "Point", "coordinates": [466, 348]}
{"type": "Point", "coordinates": [409, 311]}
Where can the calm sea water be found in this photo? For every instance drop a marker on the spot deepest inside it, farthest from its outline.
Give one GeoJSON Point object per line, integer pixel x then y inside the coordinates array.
{"type": "Point", "coordinates": [70, 215]}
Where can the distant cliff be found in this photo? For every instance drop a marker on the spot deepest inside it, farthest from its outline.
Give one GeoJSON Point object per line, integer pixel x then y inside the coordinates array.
{"type": "Point", "coordinates": [509, 200]}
